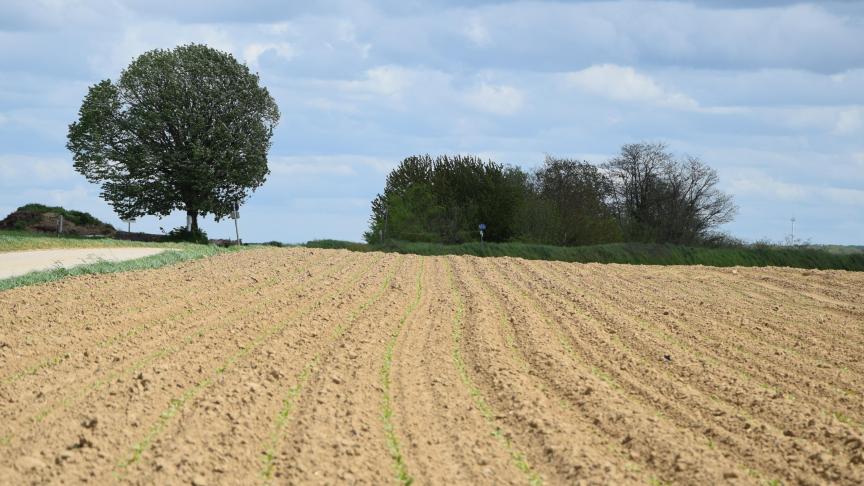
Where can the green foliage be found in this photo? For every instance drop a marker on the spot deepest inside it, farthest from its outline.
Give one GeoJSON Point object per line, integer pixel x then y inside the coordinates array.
{"type": "Point", "coordinates": [628, 253]}
{"type": "Point", "coordinates": [567, 204]}
{"type": "Point", "coordinates": [183, 129]}
{"type": "Point", "coordinates": [336, 245]}
{"type": "Point", "coordinates": [181, 234]}
{"type": "Point", "coordinates": [643, 195]}
{"type": "Point", "coordinates": [445, 199]}
{"type": "Point", "coordinates": [659, 199]}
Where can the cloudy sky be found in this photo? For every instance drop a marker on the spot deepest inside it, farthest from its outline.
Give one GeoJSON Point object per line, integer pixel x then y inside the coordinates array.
{"type": "Point", "coordinates": [770, 93]}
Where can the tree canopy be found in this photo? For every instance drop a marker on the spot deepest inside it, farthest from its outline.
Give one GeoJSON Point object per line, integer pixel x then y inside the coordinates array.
{"type": "Point", "coordinates": [643, 194]}
{"type": "Point", "coordinates": [182, 129]}
{"type": "Point", "coordinates": [660, 199]}
{"type": "Point", "coordinates": [567, 204]}
{"type": "Point", "coordinates": [445, 199]}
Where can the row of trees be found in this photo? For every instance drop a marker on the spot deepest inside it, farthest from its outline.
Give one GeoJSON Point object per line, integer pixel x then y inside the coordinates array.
{"type": "Point", "coordinates": [643, 194]}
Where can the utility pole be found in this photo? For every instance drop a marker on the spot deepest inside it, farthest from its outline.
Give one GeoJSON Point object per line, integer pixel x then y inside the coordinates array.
{"type": "Point", "coordinates": [792, 241]}
{"type": "Point", "coordinates": [235, 215]}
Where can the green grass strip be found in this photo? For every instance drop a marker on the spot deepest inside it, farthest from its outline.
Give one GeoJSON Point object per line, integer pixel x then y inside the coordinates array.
{"type": "Point", "coordinates": [402, 474]}
{"type": "Point", "coordinates": [629, 253]}
{"type": "Point", "coordinates": [170, 257]}
{"type": "Point", "coordinates": [293, 396]}
{"type": "Point", "coordinates": [17, 240]}
{"type": "Point", "coordinates": [519, 459]}
{"type": "Point", "coordinates": [178, 403]}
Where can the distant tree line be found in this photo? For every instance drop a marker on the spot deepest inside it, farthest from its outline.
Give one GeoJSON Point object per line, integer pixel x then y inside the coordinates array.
{"type": "Point", "coordinates": [644, 194]}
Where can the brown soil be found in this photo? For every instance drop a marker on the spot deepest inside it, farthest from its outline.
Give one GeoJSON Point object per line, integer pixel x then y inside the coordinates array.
{"type": "Point", "coordinates": [330, 367]}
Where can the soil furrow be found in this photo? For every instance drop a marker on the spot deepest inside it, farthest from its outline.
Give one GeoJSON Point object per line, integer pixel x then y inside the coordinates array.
{"type": "Point", "coordinates": [542, 419]}
{"type": "Point", "coordinates": [681, 326]}
{"type": "Point", "coordinates": [181, 303]}
{"type": "Point", "coordinates": [769, 378]}
{"type": "Point", "coordinates": [733, 413]}
{"type": "Point", "coordinates": [627, 395]}
{"type": "Point", "coordinates": [174, 337]}
{"type": "Point", "coordinates": [334, 434]}
{"type": "Point", "coordinates": [445, 435]}
{"type": "Point", "coordinates": [757, 335]}
{"type": "Point", "coordinates": [300, 366]}
{"type": "Point", "coordinates": [141, 391]}
{"type": "Point", "coordinates": [272, 331]}
{"type": "Point", "coordinates": [237, 411]}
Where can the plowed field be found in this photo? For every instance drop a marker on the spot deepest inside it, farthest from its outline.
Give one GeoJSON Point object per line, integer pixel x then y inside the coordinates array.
{"type": "Point", "coordinates": [314, 366]}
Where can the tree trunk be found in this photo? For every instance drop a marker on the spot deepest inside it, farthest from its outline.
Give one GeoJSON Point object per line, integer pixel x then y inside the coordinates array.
{"type": "Point", "coordinates": [193, 216]}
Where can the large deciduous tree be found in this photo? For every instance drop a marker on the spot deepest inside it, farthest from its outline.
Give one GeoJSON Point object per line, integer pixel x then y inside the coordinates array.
{"type": "Point", "coordinates": [660, 199]}
{"type": "Point", "coordinates": [183, 129]}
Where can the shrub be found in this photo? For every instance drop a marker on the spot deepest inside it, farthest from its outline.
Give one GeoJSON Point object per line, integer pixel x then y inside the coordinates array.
{"type": "Point", "coordinates": [191, 236]}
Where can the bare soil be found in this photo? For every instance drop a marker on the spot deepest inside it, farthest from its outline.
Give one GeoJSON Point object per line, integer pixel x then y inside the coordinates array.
{"type": "Point", "coordinates": [327, 367]}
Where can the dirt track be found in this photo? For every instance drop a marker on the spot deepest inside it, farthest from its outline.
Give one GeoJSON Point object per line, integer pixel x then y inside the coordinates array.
{"type": "Point", "coordinates": [15, 263]}
{"type": "Point", "coordinates": [314, 366]}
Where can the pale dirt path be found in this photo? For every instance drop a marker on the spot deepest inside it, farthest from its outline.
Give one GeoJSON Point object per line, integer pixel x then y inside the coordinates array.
{"type": "Point", "coordinates": [17, 263]}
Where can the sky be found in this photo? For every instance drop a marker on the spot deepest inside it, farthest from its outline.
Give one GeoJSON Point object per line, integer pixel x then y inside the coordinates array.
{"type": "Point", "coordinates": [769, 93]}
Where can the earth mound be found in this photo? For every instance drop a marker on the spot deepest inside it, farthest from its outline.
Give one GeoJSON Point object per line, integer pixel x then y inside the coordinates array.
{"type": "Point", "coordinates": [46, 219]}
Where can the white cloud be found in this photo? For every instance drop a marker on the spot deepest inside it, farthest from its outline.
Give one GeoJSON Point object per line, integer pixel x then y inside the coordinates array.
{"type": "Point", "coordinates": [138, 38]}
{"type": "Point", "coordinates": [498, 100]}
{"type": "Point", "coordinates": [15, 169]}
{"type": "Point", "coordinates": [326, 104]}
{"type": "Point", "coordinates": [764, 185]}
{"type": "Point", "coordinates": [477, 33]}
{"type": "Point", "coordinates": [346, 33]}
{"type": "Point", "coordinates": [328, 204]}
{"type": "Point", "coordinates": [844, 196]}
{"type": "Point", "coordinates": [622, 83]}
{"type": "Point", "coordinates": [310, 168]}
{"type": "Point", "coordinates": [849, 121]}
{"type": "Point", "coordinates": [254, 51]}
{"type": "Point", "coordinates": [388, 81]}
{"type": "Point", "coordinates": [76, 197]}
{"type": "Point", "coordinates": [345, 165]}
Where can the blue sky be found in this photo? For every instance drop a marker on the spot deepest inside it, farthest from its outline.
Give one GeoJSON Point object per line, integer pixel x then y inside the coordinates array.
{"type": "Point", "coordinates": [770, 93]}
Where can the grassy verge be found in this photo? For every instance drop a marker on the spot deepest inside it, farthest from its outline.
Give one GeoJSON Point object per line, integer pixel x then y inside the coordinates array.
{"type": "Point", "coordinates": [178, 253]}
{"type": "Point", "coordinates": [628, 253]}
{"type": "Point", "coordinates": [13, 240]}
